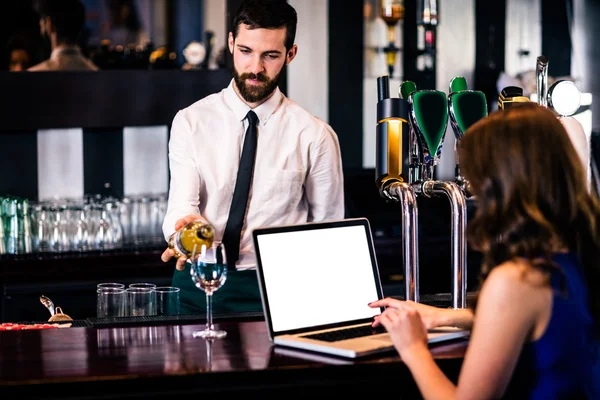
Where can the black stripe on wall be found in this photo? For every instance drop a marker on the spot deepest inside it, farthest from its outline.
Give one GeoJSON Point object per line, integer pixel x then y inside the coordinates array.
{"type": "Point", "coordinates": [425, 79]}
{"type": "Point", "coordinates": [103, 162]}
{"type": "Point", "coordinates": [19, 164]}
{"type": "Point", "coordinates": [409, 46]}
{"type": "Point", "coordinates": [490, 31]}
{"type": "Point", "coordinates": [556, 39]}
{"type": "Point", "coordinates": [346, 71]}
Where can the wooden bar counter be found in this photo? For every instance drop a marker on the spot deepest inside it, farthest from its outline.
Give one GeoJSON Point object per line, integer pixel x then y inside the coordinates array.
{"type": "Point", "coordinates": [155, 361]}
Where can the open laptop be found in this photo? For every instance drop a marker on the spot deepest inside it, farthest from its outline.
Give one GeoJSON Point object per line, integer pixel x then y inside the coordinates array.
{"type": "Point", "coordinates": [316, 281]}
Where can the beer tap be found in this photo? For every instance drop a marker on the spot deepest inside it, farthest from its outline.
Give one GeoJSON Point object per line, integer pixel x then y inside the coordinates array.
{"type": "Point", "coordinates": [541, 80]}
{"type": "Point", "coordinates": [465, 107]}
{"type": "Point", "coordinates": [510, 96]}
{"type": "Point", "coordinates": [392, 176]}
{"type": "Point", "coordinates": [428, 119]}
{"type": "Point", "coordinates": [564, 98]}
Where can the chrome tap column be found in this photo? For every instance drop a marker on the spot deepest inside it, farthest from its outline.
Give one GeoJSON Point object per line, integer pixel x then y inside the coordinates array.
{"type": "Point", "coordinates": [564, 98]}
{"type": "Point", "coordinates": [541, 74]}
{"type": "Point", "coordinates": [428, 118]}
{"type": "Point", "coordinates": [392, 176]}
{"type": "Point", "coordinates": [458, 208]}
{"type": "Point", "coordinates": [405, 195]}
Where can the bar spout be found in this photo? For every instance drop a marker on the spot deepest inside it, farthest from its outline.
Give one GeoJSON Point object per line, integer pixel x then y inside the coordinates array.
{"type": "Point", "coordinates": [542, 80]}
{"type": "Point", "coordinates": [405, 194]}
{"type": "Point", "coordinates": [458, 205]}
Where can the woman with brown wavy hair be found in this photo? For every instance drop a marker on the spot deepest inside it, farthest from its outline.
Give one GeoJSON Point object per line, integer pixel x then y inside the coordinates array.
{"type": "Point", "coordinates": [535, 326]}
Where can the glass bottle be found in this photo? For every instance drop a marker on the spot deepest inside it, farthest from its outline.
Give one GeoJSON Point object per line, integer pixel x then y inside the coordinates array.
{"type": "Point", "coordinates": [194, 235]}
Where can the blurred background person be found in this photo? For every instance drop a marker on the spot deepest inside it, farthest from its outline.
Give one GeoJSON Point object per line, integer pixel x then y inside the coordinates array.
{"type": "Point", "coordinates": [62, 22]}
{"type": "Point", "coordinates": [124, 27]}
{"type": "Point", "coordinates": [22, 52]}
{"type": "Point", "coordinates": [19, 18]}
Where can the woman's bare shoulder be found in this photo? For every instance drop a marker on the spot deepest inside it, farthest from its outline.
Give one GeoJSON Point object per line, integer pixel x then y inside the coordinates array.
{"type": "Point", "coordinates": [516, 278]}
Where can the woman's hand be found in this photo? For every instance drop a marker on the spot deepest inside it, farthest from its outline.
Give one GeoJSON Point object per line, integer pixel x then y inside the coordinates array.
{"type": "Point", "coordinates": [407, 331]}
{"type": "Point", "coordinates": [432, 317]}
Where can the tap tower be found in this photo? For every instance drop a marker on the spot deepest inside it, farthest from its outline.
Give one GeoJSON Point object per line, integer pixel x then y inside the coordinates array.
{"type": "Point", "coordinates": [392, 176]}
{"type": "Point", "coordinates": [564, 98]}
{"type": "Point", "coordinates": [428, 116]}
{"type": "Point", "coordinates": [410, 135]}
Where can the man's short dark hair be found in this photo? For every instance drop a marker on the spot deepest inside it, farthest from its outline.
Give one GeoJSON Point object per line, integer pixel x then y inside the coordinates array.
{"type": "Point", "coordinates": [267, 14]}
{"type": "Point", "coordinates": [67, 16]}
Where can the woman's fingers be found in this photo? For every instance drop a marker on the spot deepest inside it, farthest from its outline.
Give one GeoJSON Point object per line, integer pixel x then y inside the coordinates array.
{"type": "Point", "coordinates": [387, 302]}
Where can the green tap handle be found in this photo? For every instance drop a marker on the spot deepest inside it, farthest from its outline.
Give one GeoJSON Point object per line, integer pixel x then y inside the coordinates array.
{"type": "Point", "coordinates": [406, 89]}
{"type": "Point", "coordinates": [431, 117]}
{"type": "Point", "coordinates": [458, 84]}
{"type": "Point", "coordinates": [466, 106]}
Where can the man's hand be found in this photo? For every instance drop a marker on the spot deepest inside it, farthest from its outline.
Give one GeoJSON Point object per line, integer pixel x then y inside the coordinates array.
{"type": "Point", "coordinates": [169, 253]}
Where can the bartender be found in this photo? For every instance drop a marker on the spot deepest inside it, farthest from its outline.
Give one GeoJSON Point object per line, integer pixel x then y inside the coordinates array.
{"type": "Point", "coordinates": [248, 156]}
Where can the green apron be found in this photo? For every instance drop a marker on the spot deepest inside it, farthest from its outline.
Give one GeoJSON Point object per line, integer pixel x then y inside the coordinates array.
{"type": "Point", "coordinates": [240, 293]}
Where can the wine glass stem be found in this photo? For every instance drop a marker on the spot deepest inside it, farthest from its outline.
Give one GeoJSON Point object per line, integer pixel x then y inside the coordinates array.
{"type": "Point", "coordinates": [209, 320]}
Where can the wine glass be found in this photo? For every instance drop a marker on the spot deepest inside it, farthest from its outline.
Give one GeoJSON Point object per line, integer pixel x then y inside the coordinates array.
{"type": "Point", "coordinates": [209, 273]}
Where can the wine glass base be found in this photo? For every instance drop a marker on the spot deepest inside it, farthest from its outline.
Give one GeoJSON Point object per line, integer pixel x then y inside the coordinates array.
{"type": "Point", "coordinates": [209, 334]}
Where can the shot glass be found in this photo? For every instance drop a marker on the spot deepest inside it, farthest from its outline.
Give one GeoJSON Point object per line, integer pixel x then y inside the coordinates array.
{"type": "Point", "coordinates": [141, 301]}
{"type": "Point", "coordinates": [111, 302]}
{"type": "Point", "coordinates": [167, 300]}
{"type": "Point", "coordinates": [110, 285]}
{"type": "Point", "coordinates": [143, 285]}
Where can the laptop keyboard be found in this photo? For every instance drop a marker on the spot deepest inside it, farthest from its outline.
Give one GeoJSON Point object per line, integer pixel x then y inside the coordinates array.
{"type": "Point", "coordinates": [343, 334]}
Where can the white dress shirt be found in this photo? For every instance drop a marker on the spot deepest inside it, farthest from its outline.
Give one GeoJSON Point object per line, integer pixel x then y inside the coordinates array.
{"type": "Point", "coordinates": [298, 174]}
{"type": "Point", "coordinates": [65, 58]}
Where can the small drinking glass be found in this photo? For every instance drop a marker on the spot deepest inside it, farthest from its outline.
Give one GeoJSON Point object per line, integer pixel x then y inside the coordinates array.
{"type": "Point", "coordinates": [110, 285]}
{"type": "Point", "coordinates": [209, 273]}
{"type": "Point", "coordinates": [143, 285]}
{"type": "Point", "coordinates": [111, 302]}
{"type": "Point", "coordinates": [142, 301]}
{"type": "Point", "coordinates": [167, 300]}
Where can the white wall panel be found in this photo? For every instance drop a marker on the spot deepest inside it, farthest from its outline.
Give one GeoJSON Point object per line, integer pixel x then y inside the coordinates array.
{"type": "Point", "coordinates": [60, 163]}
{"type": "Point", "coordinates": [308, 74]}
{"type": "Point", "coordinates": [215, 19]}
{"type": "Point", "coordinates": [145, 160]}
{"type": "Point", "coordinates": [455, 57]}
{"type": "Point", "coordinates": [523, 32]}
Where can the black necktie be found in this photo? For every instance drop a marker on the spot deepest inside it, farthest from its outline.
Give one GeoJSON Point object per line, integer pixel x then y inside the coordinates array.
{"type": "Point", "coordinates": [237, 212]}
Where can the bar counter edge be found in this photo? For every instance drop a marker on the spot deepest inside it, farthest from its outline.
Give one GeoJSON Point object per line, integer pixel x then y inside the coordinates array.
{"type": "Point", "coordinates": [166, 361]}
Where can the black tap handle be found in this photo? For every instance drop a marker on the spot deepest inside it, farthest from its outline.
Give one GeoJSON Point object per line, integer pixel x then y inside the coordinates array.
{"type": "Point", "coordinates": [383, 88]}
{"type": "Point", "coordinates": [512, 91]}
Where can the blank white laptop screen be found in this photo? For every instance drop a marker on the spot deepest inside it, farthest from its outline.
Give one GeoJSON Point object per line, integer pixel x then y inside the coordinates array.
{"type": "Point", "coordinates": [317, 277]}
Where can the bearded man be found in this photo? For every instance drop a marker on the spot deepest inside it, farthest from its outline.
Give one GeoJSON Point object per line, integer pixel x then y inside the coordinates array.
{"type": "Point", "coordinates": [248, 156]}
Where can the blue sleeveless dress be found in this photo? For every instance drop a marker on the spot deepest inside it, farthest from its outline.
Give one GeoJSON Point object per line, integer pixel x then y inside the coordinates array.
{"type": "Point", "coordinates": [563, 362]}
